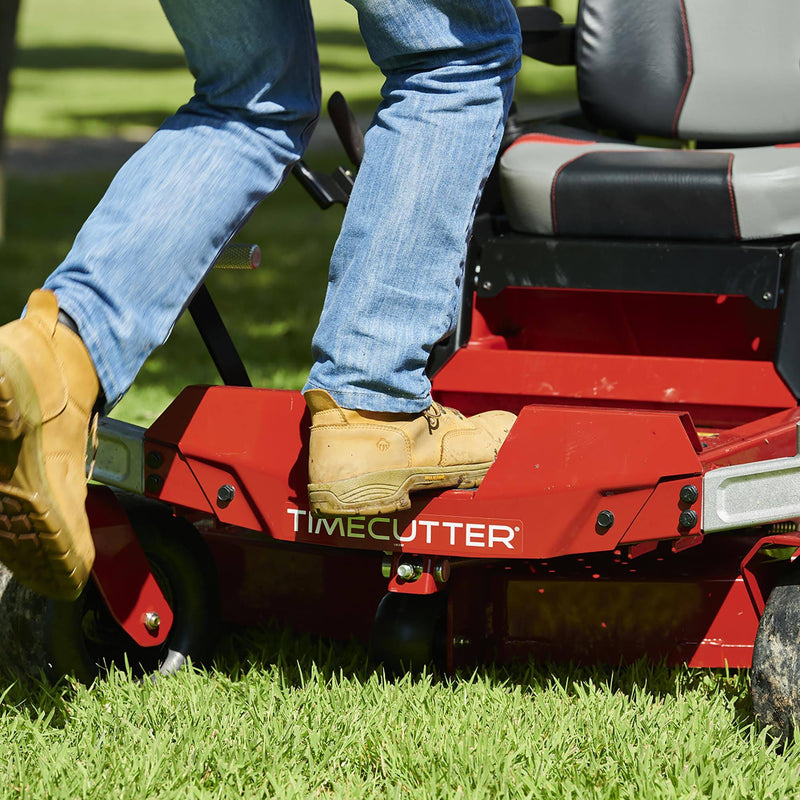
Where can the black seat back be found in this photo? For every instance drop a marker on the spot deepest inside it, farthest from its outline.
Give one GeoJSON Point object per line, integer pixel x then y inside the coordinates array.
{"type": "Point", "coordinates": [711, 70]}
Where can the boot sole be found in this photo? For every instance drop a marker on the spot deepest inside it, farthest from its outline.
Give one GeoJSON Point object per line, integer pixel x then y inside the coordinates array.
{"type": "Point", "coordinates": [34, 541]}
{"type": "Point", "coordinates": [386, 492]}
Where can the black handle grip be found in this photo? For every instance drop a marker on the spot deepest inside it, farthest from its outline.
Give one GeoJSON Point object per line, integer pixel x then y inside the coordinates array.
{"type": "Point", "coordinates": [344, 121]}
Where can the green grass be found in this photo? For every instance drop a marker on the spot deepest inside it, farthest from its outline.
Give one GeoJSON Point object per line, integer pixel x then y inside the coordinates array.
{"type": "Point", "coordinates": [276, 715]}
{"type": "Point", "coordinates": [92, 68]}
{"type": "Point", "coordinates": [281, 717]}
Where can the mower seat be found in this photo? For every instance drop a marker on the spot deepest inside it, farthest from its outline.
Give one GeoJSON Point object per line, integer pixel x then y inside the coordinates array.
{"type": "Point", "coordinates": [721, 74]}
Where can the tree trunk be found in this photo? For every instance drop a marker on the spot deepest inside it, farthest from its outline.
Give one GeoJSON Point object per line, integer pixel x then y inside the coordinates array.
{"type": "Point", "coordinates": [8, 30]}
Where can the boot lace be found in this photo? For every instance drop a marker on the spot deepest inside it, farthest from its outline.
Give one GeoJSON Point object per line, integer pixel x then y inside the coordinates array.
{"type": "Point", "coordinates": [435, 412]}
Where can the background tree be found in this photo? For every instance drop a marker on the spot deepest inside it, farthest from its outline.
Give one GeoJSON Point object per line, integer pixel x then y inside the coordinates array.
{"type": "Point", "coordinates": [8, 28]}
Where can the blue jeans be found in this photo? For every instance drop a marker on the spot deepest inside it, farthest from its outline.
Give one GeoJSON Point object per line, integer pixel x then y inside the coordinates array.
{"type": "Point", "coordinates": [395, 275]}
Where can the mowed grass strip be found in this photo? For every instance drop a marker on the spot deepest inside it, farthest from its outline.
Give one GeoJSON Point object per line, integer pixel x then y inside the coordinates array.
{"type": "Point", "coordinates": [285, 717]}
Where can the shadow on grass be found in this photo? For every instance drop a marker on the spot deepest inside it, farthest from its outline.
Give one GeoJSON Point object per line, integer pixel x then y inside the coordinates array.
{"type": "Point", "coordinates": [295, 659]}
{"type": "Point", "coordinates": [151, 118]}
{"type": "Point", "coordinates": [299, 655]}
{"type": "Point", "coordinates": [96, 57]}
{"type": "Point", "coordinates": [37, 698]}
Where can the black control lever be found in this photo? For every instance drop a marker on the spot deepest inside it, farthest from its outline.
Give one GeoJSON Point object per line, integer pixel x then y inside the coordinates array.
{"type": "Point", "coordinates": [344, 121]}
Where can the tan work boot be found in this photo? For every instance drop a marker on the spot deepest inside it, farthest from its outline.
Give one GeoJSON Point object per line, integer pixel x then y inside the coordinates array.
{"type": "Point", "coordinates": [48, 388]}
{"type": "Point", "coordinates": [366, 462]}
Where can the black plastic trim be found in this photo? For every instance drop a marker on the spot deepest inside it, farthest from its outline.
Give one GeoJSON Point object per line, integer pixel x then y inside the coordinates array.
{"type": "Point", "coordinates": [750, 270]}
{"type": "Point", "coordinates": [787, 352]}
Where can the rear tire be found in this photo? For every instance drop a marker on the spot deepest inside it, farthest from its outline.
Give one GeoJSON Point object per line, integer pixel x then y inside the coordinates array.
{"type": "Point", "coordinates": [775, 674]}
{"type": "Point", "coordinates": [80, 638]}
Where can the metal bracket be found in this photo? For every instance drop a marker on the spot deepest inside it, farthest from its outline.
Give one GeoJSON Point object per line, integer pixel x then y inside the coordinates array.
{"type": "Point", "coordinates": [746, 495]}
{"type": "Point", "coordinates": [123, 574]}
{"type": "Point", "coordinates": [120, 455]}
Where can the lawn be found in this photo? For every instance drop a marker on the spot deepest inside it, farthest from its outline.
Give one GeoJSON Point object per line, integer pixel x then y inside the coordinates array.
{"type": "Point", "coordinates": [115, 69]}
{"type": "Point", "coordinates": [282, 717]}
{"type": "Point", "coordinates": [276, 715]}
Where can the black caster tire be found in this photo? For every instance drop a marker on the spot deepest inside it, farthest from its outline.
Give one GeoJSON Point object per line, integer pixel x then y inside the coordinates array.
{"type": "Point", "coordinates": [410, 632]}
{"type": "Point", "coordinates": [80, 638]}
{"type": "Point", "coordinates": [775, 674]}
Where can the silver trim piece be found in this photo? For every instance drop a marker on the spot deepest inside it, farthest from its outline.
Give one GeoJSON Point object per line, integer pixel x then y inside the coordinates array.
{"type": "Point", "coordinates": [120, 455]}
{"type": "Point", "coordinates": [745, 495]}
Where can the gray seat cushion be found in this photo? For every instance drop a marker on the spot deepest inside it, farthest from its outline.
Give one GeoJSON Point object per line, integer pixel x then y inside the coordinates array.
{"type": "Point", "coordinates": [557, 185]}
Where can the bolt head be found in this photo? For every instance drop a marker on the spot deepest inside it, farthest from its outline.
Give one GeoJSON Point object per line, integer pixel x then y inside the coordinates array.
{"type": "Point", "coordinates": [605, 519]}
{"type": "Point", "coordinates": [687, 519]}
{"type": "Point", "coordinates": [225, 494]}
{"type": "Point", "coordinates": [689, 494]}
{"type": "Point", "coordinates": [406, 572]}
{"type": "Point", "coordinates": [154, 459]}
{"type": "Point", "coordinates": [152, 621]}
{"type": "Point", "coordinates": [153, 484]}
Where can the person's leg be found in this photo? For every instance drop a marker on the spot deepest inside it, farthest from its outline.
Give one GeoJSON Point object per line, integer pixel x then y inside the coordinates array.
{"type": "Point", "coordinates": [176, 203]}
{"type": "Point", "coordinates": [394, 285]}
{"type": "Point", "coordinates": [396, 273]}
{"type": "Point", "coordinates": [137, 261]}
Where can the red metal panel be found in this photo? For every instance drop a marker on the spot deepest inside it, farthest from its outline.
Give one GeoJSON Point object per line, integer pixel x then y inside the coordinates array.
{"type": "Point", "coordinates": [559, 468]}
{"type": "Point", "coordinates": [633, 323]}
{"type": "Point", "coordinates": [688, 608]}
{"type": "Point", "coordinates": [173, 477]}
{"type": "Point", "coordinates": [715, 388]}
{"type": "Point", "coordinates": [562, 466]}
{"type": "Point", "coordinates": [660, 517]}
{"type": "Point", "coordinates": [122, 572]}
{"type": "Point", "coordinates": [728, 641]}
{"type": "Point", "coordinates": [774, 436]}
{"type": "Point", "coordinates": [761, 575]}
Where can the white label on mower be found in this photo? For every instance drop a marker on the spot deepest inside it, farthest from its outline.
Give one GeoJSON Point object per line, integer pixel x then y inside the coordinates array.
{"type": "Point", "coordinates": [437, 532]}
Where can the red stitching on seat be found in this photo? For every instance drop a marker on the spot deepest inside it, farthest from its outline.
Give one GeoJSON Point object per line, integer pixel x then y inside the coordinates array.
{"type": "Point", "coordinates": [689, 71]}
{"type": "Point", "coordinates": [553, 187]}
{"type": "Point", "coordinates": [788, 144]}
{"type": "Point", "coordinates": [547, 138]}
{"type": "Point", "coordinates": [733, 197]}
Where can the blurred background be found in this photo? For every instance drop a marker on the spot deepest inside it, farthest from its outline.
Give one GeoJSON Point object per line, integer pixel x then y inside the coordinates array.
{"type": "Point", "coordinates": [86, 82]}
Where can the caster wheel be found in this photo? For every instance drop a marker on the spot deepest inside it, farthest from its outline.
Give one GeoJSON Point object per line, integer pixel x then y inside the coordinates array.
{"type": "Point", "coordinates": [410, 631]}
{"type": "Point", "coordinates": [80, 638]}
{"type": "Point", "coordinates": [775, 674]}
